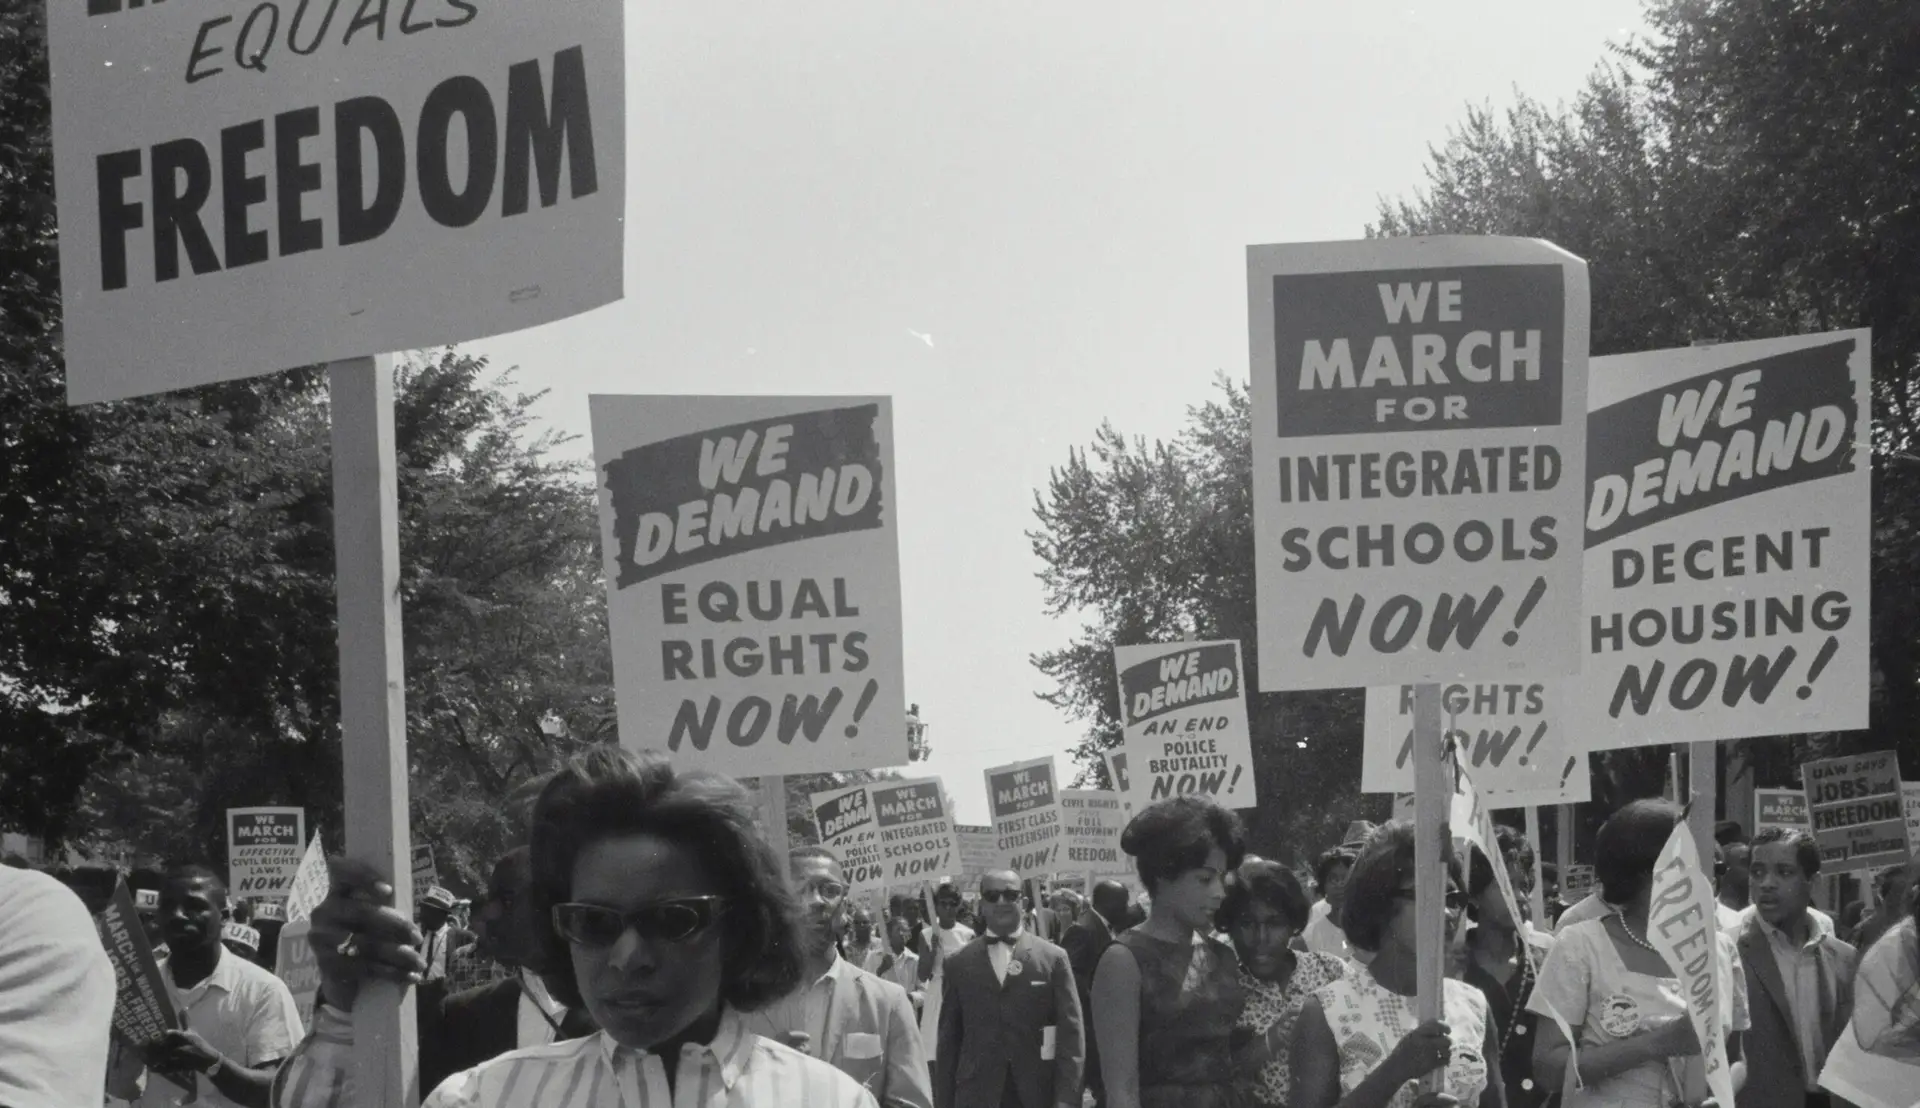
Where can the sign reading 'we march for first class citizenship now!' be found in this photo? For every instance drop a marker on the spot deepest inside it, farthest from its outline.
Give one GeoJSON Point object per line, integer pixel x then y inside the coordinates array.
{"type": "Point", "coordinates": [753, 580]}
{"type": "Point", "coordinates": [1419, 431]}
{"type": "Point", "coordinates": [245, 188]}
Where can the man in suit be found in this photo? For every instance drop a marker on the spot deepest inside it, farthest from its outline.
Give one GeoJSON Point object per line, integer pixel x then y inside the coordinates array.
{"type": "Point", "coordinates": [460, 1030]}
{"type": "Point", "coordinates": [1010, 1023]}
{"type": "Point", "coordinates": [1799, 976]}
{"type": "Point", "coordinates": [1085, 942]}
{"type": "Point", "coordinates": [840, 1013]}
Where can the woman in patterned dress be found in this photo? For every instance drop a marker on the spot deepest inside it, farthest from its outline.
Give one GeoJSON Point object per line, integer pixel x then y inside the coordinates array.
{"type": "Point", "coordinates": [1166, 994]}
{"type": "Point", "coordinates": [1264, 909]}
{"type": "Point", "coordinates": [1357, 1043]}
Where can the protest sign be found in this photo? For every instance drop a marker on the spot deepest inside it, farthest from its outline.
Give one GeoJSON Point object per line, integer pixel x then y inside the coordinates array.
{"type": "Point", "coordinates": [263, 850]}
{"type": "Point", "coordinates": [1184, 710]}
{"type": "Point", "coordinates": [1091, 821]}
{"type": "Point", "coordinates": [1025, 805]}
{"type": "Point", "coordinates": [979, 853]}
{"type": "Point", "coordinates": [310, 882]}
{"type": "Point", "coordinates": [1780, 808]}
{"type": "Point", "coordinates": [1682, 926]}
{"type": "Point", "coordinates": [144, 1007]}
{"type": "Point", "coordinates": [916, 830]}
{"type": "Point", "coordinates": [1117, 774]}
{"type": "Point", "coordinates": [1858, 811]}
{"type": "Point", "coordinates": [753, 580]}
{"type": "Point", "coordinates": [844, 818]}
{"type": "Point", "coordinates": [1910, 792]}
{"type": "Point", "coordinates": [294, 964]}
{"type": "Point", "coordinates": [425, 873]}
{"type": "Point", "coordinates": [1727, 533]}
{"type": "Point", "coordinates": [1418, 431]}
{"type": "Point", "coordinates": [1508, 735]}
{"type": "Point", "coordinates": [1576, 882]}
{"type": "Point", "coordinates": [266, 190]}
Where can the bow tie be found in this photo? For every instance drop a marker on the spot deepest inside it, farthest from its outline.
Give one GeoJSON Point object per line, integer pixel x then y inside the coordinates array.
{"type": "Point", "coordinates": [993, 938]}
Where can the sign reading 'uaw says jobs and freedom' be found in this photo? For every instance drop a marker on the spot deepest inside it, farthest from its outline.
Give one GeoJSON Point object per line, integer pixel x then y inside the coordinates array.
{"type": "Point", "coordinates": [1858, 811]}
{"type": "Point", "coordinates": [753, 579]}
{"type": "Point", "coordinates": [1184, 708]}
{"type": "Point", "coordinates": [1728, 526]}
{"type": "Point", "coordinates": [1419, 431]}
{"type": "Point", "coordinates": [246, 188]}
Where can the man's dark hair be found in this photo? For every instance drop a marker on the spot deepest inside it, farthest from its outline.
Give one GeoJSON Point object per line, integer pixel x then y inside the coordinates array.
{"type": "Point", "coordinates": [1515, 848]}
{"type": "Point", "coordinates": [609, 792]}
{"type": "Point", "coordinates": [1324, 865]}
{"type": "Point", "coordinates": [1259, 881]}
{"type": "Point", "coordinates": [946, 891]}
{"type": "Point", "coordinates": [1728, 831]}
{"type": "Point", "coordinates": [1805, 850]}
{"type": "Point", "coordinates": [1172, 836]}
{"type": "Point", "coordinates": [1373, 889]}
{"type": "Point", "coordinates": [1629, 844]}
{"type": "Point", "coordinates": [194, 871]}
{"type": "Point", "coordinates": [1110, 899]}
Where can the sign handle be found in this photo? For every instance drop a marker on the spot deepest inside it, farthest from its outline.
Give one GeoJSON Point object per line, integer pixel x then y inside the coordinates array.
{"type": "Point", "coordinates": [1703, 763]}
{"type": "Point", "coordinates": [1433, 798]}
{"type": "Point", "coordinates": [1537, 899]}
{"type": "Point", "coordinates": [773, 809]}
{"type": "Point", "coordinates": [373, 718]}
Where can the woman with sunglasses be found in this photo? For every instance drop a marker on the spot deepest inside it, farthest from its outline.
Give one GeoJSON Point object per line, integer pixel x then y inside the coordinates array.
{"type": "Point", "coordinates": [1615, 991]}
{"type": "Point", "coordinates": [668, 917]}
{"type": "Point", "coordinates": [1166, 994]}
{"type": "Point", "coordinates": [1357, 1043]}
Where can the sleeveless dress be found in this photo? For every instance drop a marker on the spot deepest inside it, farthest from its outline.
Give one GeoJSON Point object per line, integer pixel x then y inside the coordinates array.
{"type": "Point", "coordinates": [1368, 1020]}
{"type": "Point", "coordinates": [1190, 998]}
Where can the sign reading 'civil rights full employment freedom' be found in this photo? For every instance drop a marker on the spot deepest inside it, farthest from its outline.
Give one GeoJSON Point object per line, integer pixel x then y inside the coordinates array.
{"type": "Point", "coordinates": [753, 579]}
{"type": "Point", "coordinates": [1727, 534]}
{"type": "Point", "coordinates": [265, 186]}
{"type": "Point", "coordinates": [1418, 435]}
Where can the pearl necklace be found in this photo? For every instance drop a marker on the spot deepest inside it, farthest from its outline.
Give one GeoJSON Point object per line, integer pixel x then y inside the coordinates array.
{"type": "Point", "coordinates": [1639, 940]}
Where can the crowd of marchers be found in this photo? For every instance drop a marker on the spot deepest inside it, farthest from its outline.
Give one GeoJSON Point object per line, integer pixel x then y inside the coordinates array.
{"type": "Point", "coordinates": [647, 948]}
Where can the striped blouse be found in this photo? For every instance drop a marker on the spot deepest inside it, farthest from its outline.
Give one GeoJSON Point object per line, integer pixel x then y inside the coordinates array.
{"type": "Point", "coordinates": [738, 1069]}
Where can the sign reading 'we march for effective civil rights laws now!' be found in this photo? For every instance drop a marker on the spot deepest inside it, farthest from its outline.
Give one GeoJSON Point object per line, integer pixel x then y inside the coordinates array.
{"type": "Point", "coordinates": [1419, 431]}
{"type": "Point", "coordinates": [753, 579]}
{"type": "Point", "coordinates": [1184, 707]}
{"type": "Point", "coordinates": [245, 189]}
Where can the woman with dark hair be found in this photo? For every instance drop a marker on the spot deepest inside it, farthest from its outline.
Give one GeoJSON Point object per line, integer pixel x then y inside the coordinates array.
{"type": "Point", "coordinates": [1166, 994]}
{"type": "Point", "coordinates": [1322, 934]}
{"type": "Point", "coordinates": [1617, 994]}
{"type": "Point", "coordinates": [658, 908]}
{"type": "Point", "coordinates": [1498, 963]}
{"type": "Point", "coordinates": [1356, 1044]}
{"type": "Point", "coordinates": [1263, 911]}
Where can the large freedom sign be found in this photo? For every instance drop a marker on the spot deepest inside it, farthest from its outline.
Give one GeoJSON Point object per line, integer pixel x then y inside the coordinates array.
{"type": "Point", "coordinates": [753, 579]}
{"type": "Point", "coordinates": [245, 188]}
{"type": "Point", "coordinates": [1727, 533]}
{"type": "Point", "coordinates": [1419, 429]}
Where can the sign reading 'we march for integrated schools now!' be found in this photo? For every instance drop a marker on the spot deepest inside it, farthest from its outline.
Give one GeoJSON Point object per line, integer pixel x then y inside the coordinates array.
{"type": "Point", "coordinates": [1184, 710]}
{"type": "Point", "coordinates": [1419, 431]}
{"type": "Point", "coordinates": [267, 186]}
{"type": "Point", "coordinates": [887, 833]}
{"type": "Point", "coordinates": [1727, 533]}
{"type": "Point", "coordinates": [753, 579]}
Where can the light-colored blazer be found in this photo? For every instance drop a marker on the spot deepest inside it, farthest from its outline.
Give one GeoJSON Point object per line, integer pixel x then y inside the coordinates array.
{"type": "Point", "coordinates": [1776, 1076]}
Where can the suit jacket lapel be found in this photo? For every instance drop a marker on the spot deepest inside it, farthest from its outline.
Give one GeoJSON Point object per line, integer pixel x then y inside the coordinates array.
{"type": "Point", "coordinates": [842, 1007]}
{"type": "Point", "coordinates": [1758, 949]}
{"type": "Point", "coordinates": [1832, 1012]}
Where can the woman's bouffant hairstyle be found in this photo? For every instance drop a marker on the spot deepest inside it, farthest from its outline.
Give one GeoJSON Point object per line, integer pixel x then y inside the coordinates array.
{"type": "Point", "coordinates": [1628, 845]}
{"type": "Point", "coordinates": [1384, 867]}
{"type": "Point", "coordinates": [1259, 881]}
{"type": "Point", "coordinates": [609, 792]}
{"type": "Point", "coordinates": [1338, 856]}
{"type": "Point", "coordinates": [1172, 836]}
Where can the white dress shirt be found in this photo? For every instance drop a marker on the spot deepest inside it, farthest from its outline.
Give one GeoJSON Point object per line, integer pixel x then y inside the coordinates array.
{"type": "Point", "coordinates": [242, 1011]}
{"type": "Point", "coordinates": [1000, 954]}
{"type": "Point", "coordinates": [738, 1069]}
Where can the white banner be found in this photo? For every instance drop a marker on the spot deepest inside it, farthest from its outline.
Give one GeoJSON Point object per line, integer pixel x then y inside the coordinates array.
{"type": "Point", "coordinates": [753, 580]}
{"type": "Point", "coordinates": [1680, 925]}
{"type": "Point", "coordinates": [1727, 534]}
{"type": "Point", "coordinates": [1184, 710]}
{"type": "Point", "coordinates": [263, 851]}
{"type": "Point", "coordinates": [1508, 735]}
{"type": "Point", "coordinates": [310, 882]}
{"type": "Point", "coordinates": [251, 188]}
{"type": "Point", "coordinates": [1024, 800]}
{"type": "Point", "coordinates": [1418, 434]}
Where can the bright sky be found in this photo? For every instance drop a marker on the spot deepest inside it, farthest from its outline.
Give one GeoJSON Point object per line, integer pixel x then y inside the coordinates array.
{"type": "Point", "coordinates": [1057, 196]}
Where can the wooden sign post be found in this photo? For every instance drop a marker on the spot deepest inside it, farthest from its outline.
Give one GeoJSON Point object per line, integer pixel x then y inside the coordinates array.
{"type": "Point", "coordinates": [1433, 801]}
{"type": "Point", "coordinates": [773, 809]}
{"type": "Point", "coordinates": [373, 710]}
{"type": "Point", "coordinates": [1537, 897]}
{"type": "Point", "coordinates": [1702, 793]}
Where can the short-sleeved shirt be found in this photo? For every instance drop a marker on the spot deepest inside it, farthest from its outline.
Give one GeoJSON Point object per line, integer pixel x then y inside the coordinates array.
{"type": "Point", "coordinates": [1585, 980]}
{"type": "Point", "coordinates": [244, 1012]}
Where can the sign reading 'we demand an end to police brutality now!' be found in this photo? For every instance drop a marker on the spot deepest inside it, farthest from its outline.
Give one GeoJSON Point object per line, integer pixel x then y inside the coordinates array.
{"type": "Point", "coordinates": [1419, 431]}
{"type": "Point", "coordinates": [1184, 707]}
{"type": "Point", "coordinates": [753, 579]}
{"type": "Point", "coordinates": [249, 187]}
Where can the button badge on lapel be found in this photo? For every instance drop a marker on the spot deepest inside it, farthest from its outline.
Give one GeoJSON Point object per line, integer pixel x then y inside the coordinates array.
{"type": "Point", "coordinates": [1015, 968]}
